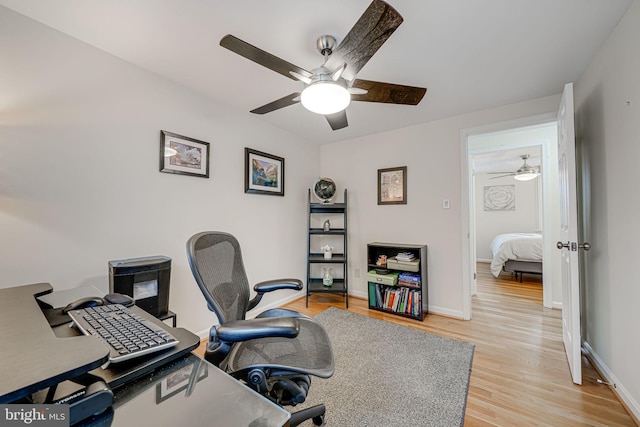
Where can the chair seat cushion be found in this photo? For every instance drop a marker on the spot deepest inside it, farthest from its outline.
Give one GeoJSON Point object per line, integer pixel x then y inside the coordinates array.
{"type": "Point", "coordinates": [309, 353]}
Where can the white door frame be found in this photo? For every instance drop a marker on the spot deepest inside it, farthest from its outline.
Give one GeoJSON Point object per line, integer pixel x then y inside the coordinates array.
{"type": "Point", "coordinates": [468, 215]}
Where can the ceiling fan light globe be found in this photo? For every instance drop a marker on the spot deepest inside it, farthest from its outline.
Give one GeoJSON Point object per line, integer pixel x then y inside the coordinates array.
{"type": "Point", "coordinates": [526, 176]}
{"type": "Point", "coordinates": [325, 97]}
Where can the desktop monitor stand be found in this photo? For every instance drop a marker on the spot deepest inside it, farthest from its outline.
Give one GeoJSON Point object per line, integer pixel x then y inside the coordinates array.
{"type": "Point", "coordinates": [38, 358]}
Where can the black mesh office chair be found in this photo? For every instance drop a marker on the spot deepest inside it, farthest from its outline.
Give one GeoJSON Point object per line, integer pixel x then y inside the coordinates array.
{"type": "Point", "coordinates": [276, 352]}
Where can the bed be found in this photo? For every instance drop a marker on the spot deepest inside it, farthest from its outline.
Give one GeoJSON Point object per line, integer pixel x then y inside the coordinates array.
{"type": "Point", "coordinates": [517, 253]}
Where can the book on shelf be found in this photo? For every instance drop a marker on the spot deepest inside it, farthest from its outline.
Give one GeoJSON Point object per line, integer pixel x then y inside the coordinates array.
{"type": "Point", "coordinates": [405, 256]}
{"type": "Point", "coordinates": [410, 279]}
{"type": "Point", "coordinates": [372, 294]}
{"type": "Point", "coordinates": [409, 284]}
{"type": "Point", "coordinates": [398, 300]}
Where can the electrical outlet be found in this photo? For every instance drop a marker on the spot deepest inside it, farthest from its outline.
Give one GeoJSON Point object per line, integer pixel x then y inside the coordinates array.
{"type": "Point", "coordinates": [445, 204]}
{"type": "Point", "coordinates": [356, 273]}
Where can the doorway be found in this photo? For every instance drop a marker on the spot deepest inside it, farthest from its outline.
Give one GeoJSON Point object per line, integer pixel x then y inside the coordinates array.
{"type": "Point", "coordinates": [508, 211]}
{"type": "Point", "coordinates": [536, 133]}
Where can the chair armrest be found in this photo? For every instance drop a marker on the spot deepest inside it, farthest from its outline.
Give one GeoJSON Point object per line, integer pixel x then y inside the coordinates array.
{"type": "Point", "coordinates": [244, 330]}
{"type": "Point", "coordinates": [274, 285]}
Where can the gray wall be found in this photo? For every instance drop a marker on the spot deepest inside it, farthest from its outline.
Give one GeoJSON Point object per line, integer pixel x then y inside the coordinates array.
{"type": "Point", "coordinates": [79, 179]}
{"type": "Point", "coordinates": [432, 154]}
{"type": "Point", "coordinates": [607, 100]}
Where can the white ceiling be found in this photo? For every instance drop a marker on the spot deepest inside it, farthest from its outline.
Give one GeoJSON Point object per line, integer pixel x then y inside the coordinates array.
{"type": "Point", "coordinates": [470, 54]}
{"type": "Point", "coordinates": [508, 160]}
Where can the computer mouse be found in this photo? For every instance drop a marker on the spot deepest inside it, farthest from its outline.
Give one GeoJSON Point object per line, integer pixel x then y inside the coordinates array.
{"type": "Point", "coordinates": [83, 303]}
{"type": "Point", "coordinates": [115, 298]}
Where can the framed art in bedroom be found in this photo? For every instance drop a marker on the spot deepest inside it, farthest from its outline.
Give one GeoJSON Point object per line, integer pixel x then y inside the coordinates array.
{"type": "Point", "coordinates": [392, 186]}
{"type": "Point", "coordinates": [183, 155]}
{"type": "Point", "coordinates": [500, 198]}
{"type": "Point", "coordinates": [263, 173]}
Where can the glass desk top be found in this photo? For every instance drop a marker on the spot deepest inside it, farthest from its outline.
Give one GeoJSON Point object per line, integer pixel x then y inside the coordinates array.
{"type": "Point", "coordinates": [193, 392]}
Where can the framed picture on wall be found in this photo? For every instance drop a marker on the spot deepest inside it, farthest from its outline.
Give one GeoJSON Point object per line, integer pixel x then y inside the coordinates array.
{"type": "Point", "coordinates": [392, 186]}
{"type": "Point", "coordinates": [500, 198]}
{"type": "Point", "coordinates": [263, 173]}
{"type": "Point", "coordinates": [183, 155]}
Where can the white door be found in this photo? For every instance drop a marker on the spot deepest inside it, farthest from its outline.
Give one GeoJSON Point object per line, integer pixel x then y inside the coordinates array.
{"type": "Point", "coordinates": [569, 235]}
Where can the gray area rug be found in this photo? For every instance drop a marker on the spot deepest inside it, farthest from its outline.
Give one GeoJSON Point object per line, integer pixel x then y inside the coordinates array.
{"type": "Point", "coordinates": [390, 375]}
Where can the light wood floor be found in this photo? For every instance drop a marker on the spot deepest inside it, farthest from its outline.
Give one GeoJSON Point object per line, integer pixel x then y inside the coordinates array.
{"type": "Point", "coordinates": [520, 375]}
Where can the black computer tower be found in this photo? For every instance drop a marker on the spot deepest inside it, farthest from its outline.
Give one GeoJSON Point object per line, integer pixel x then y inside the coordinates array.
{"type": "Point", "coordinates": [144, 279]}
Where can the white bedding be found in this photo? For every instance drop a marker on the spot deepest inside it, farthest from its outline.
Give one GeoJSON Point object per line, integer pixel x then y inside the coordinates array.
{"type": "Point", "coordinates": [517, 246]}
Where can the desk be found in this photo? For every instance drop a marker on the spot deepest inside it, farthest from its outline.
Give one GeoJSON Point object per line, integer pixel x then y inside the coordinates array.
{"type": "Point", "coordinates": [185, 391]}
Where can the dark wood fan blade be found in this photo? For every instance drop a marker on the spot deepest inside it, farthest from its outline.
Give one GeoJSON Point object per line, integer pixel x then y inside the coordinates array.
{"type": "Point", "coordinates": [374, 27]}
{"type": "Point", "coordinates": [338, 120]}
{"type": "Point", "coordinates": [261, 57]}
{"type": "Point", "coordinates": [388, 92]}
{"type": "Point", "coordinates": [285, 101]}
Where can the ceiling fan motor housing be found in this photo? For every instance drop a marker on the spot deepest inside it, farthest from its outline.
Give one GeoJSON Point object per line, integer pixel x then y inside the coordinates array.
{"type": "Point", "coordinates": [325, 44]}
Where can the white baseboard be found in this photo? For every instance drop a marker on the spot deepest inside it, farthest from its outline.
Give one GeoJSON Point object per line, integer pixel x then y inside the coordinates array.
{"type": "Point", "coordinates": [488, 261]}
{"type": "Point", "coordinates": [456, 314]}
{"type": "Point", "coordinates": [632, 405]}
{"type": "Point", "coordinates": [359, 294]}
{"type": "Point", "coordinates": [432, 309]}
{"type": "Point", "coordinates": [275, 304]}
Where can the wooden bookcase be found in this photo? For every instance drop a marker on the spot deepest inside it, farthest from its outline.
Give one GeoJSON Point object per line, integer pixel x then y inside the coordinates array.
{"type": "Point", "coordinates": [387, 293]}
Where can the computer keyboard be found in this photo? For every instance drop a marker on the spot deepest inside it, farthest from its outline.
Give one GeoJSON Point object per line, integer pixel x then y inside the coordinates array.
{"type": "Point", "coordinates": [127, 334]}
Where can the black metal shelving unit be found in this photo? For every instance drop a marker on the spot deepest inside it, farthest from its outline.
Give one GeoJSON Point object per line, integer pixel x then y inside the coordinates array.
{"type": "Point", "coordinates": [316, 260]}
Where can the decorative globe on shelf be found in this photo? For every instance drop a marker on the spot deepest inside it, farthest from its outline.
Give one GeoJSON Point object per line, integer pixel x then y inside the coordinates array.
{"type": "Point", "coordinates": [324, 189]}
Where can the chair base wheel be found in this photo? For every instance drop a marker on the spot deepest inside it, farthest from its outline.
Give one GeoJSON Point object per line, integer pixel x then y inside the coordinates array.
{"type": "Point", "coordinates": [314, 413]}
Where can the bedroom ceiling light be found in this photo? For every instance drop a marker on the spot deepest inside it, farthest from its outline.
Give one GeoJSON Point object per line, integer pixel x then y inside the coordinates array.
{"type": "Point", "coordinates": [526, 176]}
{"type": "Point", "coordinates": [526, 172]}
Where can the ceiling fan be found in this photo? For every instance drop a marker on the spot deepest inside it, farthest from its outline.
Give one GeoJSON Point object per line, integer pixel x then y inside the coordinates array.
{"type": "Point", "coordinates": [524, 173]}
{"type": "Point", "coordinates": [330, 88]}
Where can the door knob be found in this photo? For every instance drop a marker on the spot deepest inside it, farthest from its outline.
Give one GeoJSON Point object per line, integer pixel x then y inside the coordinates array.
{"type": "Point", "coordinates": [574, 246]}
